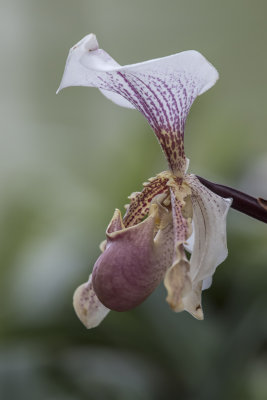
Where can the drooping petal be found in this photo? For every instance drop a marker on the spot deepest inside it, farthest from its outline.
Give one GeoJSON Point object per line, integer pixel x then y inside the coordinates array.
{"type": "Point", "coordinates": [87, 306]}
{"type": "Point", "coordinates": [209, 214]}
{"type": "Point", "coordinates": [162, 89]}
{"type": "Point", "coordinates": [177, 279]}
{"type": "Point", "coordinates": [207, 244]}
{"type": "Point", "coordinates": [134, 261]}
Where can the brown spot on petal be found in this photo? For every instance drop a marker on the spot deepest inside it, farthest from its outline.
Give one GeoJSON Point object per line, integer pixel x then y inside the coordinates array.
{"type": "Point", "coordinates": [140, 201]}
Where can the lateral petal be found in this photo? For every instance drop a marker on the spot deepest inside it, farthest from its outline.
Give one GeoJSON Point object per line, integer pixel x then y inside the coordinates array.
{"type": "Point", "coordinates": [210, 247]}
{"type": "Point", "coordinates": [177, 278]}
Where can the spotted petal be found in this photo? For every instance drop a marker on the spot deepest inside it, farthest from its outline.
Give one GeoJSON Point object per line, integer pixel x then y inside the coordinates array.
{"type": "Point", "coordinates": [177, 279]}
{"type": "Point", "coordinates": [162, 89]}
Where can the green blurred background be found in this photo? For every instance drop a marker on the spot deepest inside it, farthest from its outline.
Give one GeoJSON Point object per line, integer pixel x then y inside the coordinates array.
{"type": "Point", "coordinates": [67, 161]}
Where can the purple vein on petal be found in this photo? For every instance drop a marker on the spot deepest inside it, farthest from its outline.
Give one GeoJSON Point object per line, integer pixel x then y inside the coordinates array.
{"type": "Point", "coordinates": [166, 122]}
{"type": "Point", "coordinates": [162, 89]}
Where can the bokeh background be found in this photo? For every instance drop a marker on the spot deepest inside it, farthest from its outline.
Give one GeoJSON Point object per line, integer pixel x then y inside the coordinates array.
{"type": "Point", "coordinates": [67, 161]}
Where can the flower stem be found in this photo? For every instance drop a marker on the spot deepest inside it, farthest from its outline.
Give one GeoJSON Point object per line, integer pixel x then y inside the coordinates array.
{"type": "Point", "coordinates": [255, 208]}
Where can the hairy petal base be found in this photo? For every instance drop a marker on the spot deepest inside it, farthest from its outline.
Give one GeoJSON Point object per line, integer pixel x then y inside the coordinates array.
{"type": "Point", "coordinates": [140, 201]}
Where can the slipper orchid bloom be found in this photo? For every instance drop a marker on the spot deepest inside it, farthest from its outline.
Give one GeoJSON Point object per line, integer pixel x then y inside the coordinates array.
{"type": "Point", "coordinates": [147, 245]}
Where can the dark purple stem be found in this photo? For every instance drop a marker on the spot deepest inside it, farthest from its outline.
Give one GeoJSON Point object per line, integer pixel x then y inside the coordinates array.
{"type": "Point", "coordinates": [242, 202]}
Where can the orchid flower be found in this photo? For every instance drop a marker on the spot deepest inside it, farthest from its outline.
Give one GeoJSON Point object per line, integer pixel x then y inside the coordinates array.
{"type": "Point", "coordinates": [175, 214]}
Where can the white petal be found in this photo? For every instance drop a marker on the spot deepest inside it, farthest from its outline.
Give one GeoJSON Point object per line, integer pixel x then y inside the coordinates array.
{"type": "Point", "coordinates": [177, 279]}
{"type": "Point", "coordinates": [87, 306]}
{"type": "Point", "coordinates": [210, 247]}
{"type": "Point", "coordinates": [176, 79]}
{"type": "Point", "coordinates": [116, 98]}
{"type": "Point", "coordinates": [162, 89]}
